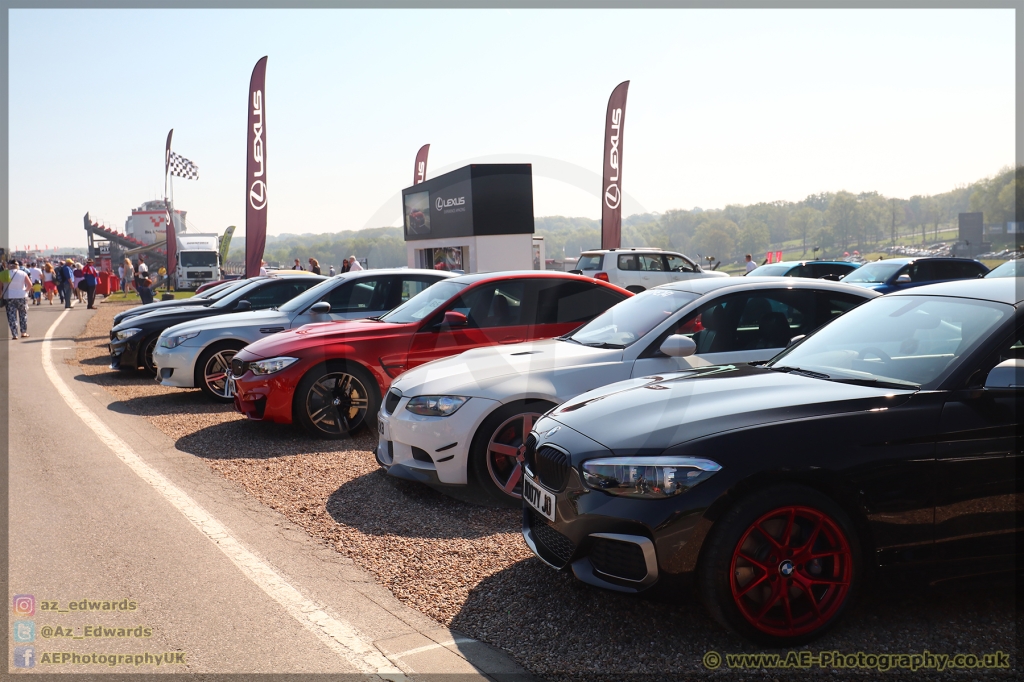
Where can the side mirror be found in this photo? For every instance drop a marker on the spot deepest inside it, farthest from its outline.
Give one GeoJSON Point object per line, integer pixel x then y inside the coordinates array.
{"type": "Point", "coordinates": [795, 340]}
{"type": "Point", "coordinates": [678, 346]}
{"type": "Point", "coordinates": [454, 318]}
{"type": "Point", "coordinates": [242, 306]}
{"type": "Point", "coordinates": [903, 279]}
{"type": "Point", "coordinates": [320, 308]}
{"type": "Point", "coordinates": [1007, 375]}
{"type": "Point", "coordinates": [575, 272]}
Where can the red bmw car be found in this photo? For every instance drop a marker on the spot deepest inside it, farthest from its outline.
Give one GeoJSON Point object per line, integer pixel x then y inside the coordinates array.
{"type": "Point", "coordinates": [330, 377]}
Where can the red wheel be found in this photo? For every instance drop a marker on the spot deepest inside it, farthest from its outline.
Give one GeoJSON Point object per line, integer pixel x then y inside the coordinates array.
{"type": "Point", "coordinates": [791, 571]}
{"type": "Point", "coordinates": [781, 566]}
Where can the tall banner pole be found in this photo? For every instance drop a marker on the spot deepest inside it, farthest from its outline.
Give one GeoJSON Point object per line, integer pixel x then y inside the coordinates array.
{"type": "Point", "coordinates": [611, 205]}
{"type": "Point", "coordinates": [256, 172]}
{"type": "Point", "coordinates": [420, 170]}
{"type": "Point", "coordinates": [170, 234]}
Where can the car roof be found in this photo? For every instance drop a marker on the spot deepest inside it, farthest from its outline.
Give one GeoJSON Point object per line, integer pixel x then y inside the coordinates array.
{"type": "Point", "coordinates": [999, 289]}
{"type": "Point", "coordinates": [811, 260]}
{"type": "Point", "coordinates": [391, 271]}
{"type": "Point", "coordinates": [627, 249]}
{"type": "Point", "coordinates": [914, 259]}
{"type": "Point", "coordinates": [706, 285]}
{"type": "Point", "coordinates": [519, 274]}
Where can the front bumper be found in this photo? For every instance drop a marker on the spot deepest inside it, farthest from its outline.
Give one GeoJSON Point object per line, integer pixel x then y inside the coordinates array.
{"type": "Point", "coordinates": [175, 367]}
{"type": "Point", "coordinates": [432, 450]}
{"type": "Point", "coordinates": [124, 354]}
{"type": "Point", "coordinates": [269, 397]}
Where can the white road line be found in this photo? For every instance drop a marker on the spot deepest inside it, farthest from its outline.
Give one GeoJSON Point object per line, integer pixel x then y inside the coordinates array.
{"type": "Point", "coordinates": [339, 635]}
{"type": "Point", "coordinates": [435, 645]}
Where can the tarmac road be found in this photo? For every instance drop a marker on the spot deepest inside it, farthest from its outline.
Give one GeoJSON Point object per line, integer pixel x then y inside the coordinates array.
{"type": "Point", "coordinates": [102, 508]}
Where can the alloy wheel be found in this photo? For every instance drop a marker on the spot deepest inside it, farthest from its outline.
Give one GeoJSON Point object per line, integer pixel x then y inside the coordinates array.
{"type": "Point", "coordinates": [506, 453]}
{"type": "Point", "coordinates": [215, 373]}
{"type": "Point", "coordinates": [336, 403]}
{"type": "Point", "coordinates": [791, 571]}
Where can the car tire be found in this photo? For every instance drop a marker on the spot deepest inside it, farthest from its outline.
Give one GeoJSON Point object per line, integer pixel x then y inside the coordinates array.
{"type": "Point", "coordinates": [212, 369]}
{"type": "Point", "coordinates": [344, 383]}
{"type": "Point", "coordinates": [496, 453]}
{"type": "Point", "coordinates": [774, 590]}
{"type": "Point", "coordinates": [635, 289]}
{"type": "Point", "coordinates": [146, 353]}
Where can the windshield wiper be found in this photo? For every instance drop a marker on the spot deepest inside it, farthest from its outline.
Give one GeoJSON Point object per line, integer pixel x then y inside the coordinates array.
{"type": "Point", "coordinates": [602, 344]}
{"type": "Point", "coordinates": [567, 338]}
{"type": "Point", "coordinates": [801, 372]}
{"type": "Point", "coordinates": [879, 383]}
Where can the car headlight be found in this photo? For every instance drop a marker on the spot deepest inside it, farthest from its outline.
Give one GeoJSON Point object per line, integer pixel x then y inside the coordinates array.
{"type": "Point", "coordinates": [650, 478]}
{"type": "Point", "coordinates": [436, 405]}
{"type": "Point", "coordinates": [125, 333]}
{"type": "Point", "coordinates": [271, 365]}
{"type": "Point", "coordinates": [177, 340]}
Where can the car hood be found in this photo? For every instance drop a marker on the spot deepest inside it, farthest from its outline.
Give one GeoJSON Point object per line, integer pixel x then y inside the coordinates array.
{"type": "Point", "coordinates": [650, 414]}
{"type": "Point", "coordinates": [248, 318]}
{"type": "Point", "coordinates": [162, 305]}
{"type": "Point", "coordinates": [485, 372]}
{"type": "Point", "coordinates": [169, 317]}
{"type": "Point", "coordinates": [323, 333]}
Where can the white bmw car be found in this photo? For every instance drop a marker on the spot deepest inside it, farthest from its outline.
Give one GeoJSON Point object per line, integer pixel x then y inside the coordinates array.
{"type": "Point", "coordinates": [464, 420]}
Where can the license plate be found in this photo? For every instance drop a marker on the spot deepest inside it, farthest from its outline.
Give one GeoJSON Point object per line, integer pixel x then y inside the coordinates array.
{"type": "Point", "coordinates": [382, 428]}
{"type": "Point", "coordinates": [539, 499]}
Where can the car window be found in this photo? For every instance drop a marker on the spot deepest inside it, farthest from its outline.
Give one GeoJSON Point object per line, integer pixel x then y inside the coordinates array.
{"type": "Point", "coordinates": [825, 269]}
{"type": "Point", "coordinates": [412, 285]}
{"type": "Point", "coordinates": [925, 271]}
{"type": "Point", "coordinates": [1008, 269]}
{"type": "Point", "coordinates": [874, 273]}
{"type": "Point", "coordinates": [628, 262]}
{"type": "Point", "coordinates": [650, 262]}
{"type": "Point", "coordinates": [773, 270]}
{"type": "Point", "coordinates": [493, 304]}
{"type": "Point", "coordinates": [590, 262]}
{"type": "Point", "coordinates": [801, 271]}
{"type": "Point", "coordinates": [561, 302]}
{"type": "Point", "coordinates": [276, 293]}
{"type": "Point", "coordinates": [832, 305]}
{"type": "Point", "coordinates": [678, 264]}
{"type": "Point", "coordinates": [424, 303]}
{"type": "Point", "coordinates": [633, 318]}
{"type": "Point", "coordinates": [361, 295]}
{"type": "Point", "coordinates": [750, 321]}
{"type": "Point", "coordinates": [964, 269]}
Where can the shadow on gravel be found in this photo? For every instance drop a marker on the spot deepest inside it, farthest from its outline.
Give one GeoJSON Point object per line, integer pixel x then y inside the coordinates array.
{"type": "Point", "coordinates": [113, 377]}
{"type": "Point", "coordinates": [244, 439]}
{"type": "Point", "coordinates": [181, 402]}
{"type": "Point", "coordinates": [377, 504]}
{"type": "Point", "coordinates": [561, 628]}
{"type": "Point", "coordinates": [101, 361]}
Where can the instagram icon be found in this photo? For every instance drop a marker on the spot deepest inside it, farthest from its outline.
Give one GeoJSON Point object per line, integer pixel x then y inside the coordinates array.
{"type": "Point", "coordinates": [24, 605]}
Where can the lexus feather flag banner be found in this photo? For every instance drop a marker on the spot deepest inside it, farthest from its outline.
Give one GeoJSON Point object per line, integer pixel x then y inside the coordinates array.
{"type": "Point", "coordinates": [169, 233]}
{"type": "Point", "coordinates": [256, 173]}
{"type": "Point", "coordinates": [611, 197]}
{"type": "Point", "coordinates": [420, 170]}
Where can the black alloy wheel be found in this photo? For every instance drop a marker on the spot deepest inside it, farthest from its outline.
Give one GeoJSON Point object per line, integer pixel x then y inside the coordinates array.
{"type": "Point", "coordinates": [334, 400]}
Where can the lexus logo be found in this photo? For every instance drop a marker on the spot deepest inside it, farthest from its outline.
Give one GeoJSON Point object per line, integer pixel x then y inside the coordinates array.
{"type": "Point", "coordinates": [441, 204]}
{"type": "Point", "coordinates": [612, 196]}
{"type": "Point", "coordinates": [258, 195]}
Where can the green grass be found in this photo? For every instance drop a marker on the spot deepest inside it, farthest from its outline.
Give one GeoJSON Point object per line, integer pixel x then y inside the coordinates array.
{"type": "Point", "coordinates": [133, 297]}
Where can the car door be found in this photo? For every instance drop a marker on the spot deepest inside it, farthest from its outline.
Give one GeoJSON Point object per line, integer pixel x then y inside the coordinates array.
{"type": "Point", "coordinates": [495, 313]}
{"type": "Point", "coordinates": [652, 270]}
{"type": "Point", "coordinates": [559, 306]}
{"type": "Point", "coordinates": [628, 270]}
{"type": "Point", "coordinates": [351, 299]}
{"type": "Point", "coordinates": [678, 268]}
{"type": "Point", "coordinates": [979, 467]}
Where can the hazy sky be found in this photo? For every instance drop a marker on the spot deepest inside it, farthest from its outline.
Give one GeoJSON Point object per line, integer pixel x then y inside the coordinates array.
{"type": "Point", "coordinates": [725, 106]}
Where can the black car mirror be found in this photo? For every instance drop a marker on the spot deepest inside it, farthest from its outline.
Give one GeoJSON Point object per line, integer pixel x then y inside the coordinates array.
{"type": "Point", "coordinates": [320, 308]}
{"type": "Point", "coordinates": [1007, 375]}
{"type": "Point", "coordinates": [242, 306]}
{"type": "Point", "coordinates": [678, 346]}
{"type": "Point", "coordinates": [575, 272]}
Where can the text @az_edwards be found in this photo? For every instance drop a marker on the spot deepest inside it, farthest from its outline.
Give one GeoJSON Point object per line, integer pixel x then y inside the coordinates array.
{"type": "Point", "coordinates": [95, 632]}
{"type": "Point", "coordinates": [796, 660]}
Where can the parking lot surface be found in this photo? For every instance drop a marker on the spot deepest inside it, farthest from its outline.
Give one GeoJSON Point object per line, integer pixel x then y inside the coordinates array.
{"type": "Point", "coordinates": [467, 567]}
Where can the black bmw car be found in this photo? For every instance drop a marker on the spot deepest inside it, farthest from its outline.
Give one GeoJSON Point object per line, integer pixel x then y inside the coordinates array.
{"type": "Point", "coordinates": [887, 439]}
{"type": "Point", "coordinates": [133, 340]}
{"type": "Point", "coordinates": [208, 297]}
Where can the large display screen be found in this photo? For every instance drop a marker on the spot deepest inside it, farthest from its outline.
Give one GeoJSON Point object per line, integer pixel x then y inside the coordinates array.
{"type": "Point", "coordinates": [417, 214]}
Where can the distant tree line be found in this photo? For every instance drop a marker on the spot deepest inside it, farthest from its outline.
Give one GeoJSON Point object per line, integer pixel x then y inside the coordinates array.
{"type": "Point", "coordinates": [834, 222]}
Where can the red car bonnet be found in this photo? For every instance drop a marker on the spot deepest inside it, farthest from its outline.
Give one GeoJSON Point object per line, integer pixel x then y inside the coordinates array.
{"type": "Point", "coordinates": [292, 341]}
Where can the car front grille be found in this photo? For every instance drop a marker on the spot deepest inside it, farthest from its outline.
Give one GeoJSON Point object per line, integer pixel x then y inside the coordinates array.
{"type": "Point", "coordinates": [531, 449]}
{"type": "Point", "coordinates": [618, 559]}
{"type": "Point", "coordinates": [549, 540]}
{"type": "Point", "coordinates": [551, 467]}
{"type": "Point", "coordinates": [391, 400]}
{"type": "Point", "coordinates": [239, 367]}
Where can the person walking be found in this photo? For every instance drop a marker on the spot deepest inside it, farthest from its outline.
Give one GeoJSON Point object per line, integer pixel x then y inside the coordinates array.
{"type": "Point", "coordinates": [314, 266]}
{"type": "Point", "coordinates": [120, 277]}
{"type": "Point", "coordinates": [78, 277]}
{"type": "Point", "coordinates": [36, 275]}
{"type": "Point", "coordinates": [17, 285]}
{"type": "Point", "coordinates": [330, 271]}
{"type": "Point", "coordinates": [354, 265]}
{"type": "Point", "coordinates": [49, 282]}
{"type": "Point", "coordinates": [65, 278]}
{"type": "Point", "coordinates": [144, 285]}
{"type": "Point", "coordinates": [129, 275]}
{"type": "Point", "coordinates": [90, 278]}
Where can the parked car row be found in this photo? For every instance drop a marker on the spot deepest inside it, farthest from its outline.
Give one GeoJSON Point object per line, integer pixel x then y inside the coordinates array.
{"type": "Point", "coordinates": [777, 438]}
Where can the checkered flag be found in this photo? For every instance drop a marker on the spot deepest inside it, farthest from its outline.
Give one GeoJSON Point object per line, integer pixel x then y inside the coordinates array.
{"type": "Point", "coordinates": [183, 168]}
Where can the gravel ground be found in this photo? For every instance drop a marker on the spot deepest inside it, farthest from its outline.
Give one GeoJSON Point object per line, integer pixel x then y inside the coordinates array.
{"type": "Point", "coordinates": [468, 568]}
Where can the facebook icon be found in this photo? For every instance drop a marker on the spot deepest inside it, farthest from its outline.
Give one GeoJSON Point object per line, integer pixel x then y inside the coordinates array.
{"type": "Point", "coordinates": [24, 657]}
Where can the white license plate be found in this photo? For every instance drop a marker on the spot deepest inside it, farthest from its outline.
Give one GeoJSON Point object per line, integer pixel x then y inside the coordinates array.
{"type": "Point", "coordinates": [382, 428]}
{"type": "Point", "coordinates": [539, 499]}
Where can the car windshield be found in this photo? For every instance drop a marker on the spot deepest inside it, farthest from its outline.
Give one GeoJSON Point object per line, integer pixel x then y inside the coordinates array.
{"type": "Point", "coordinates": [625, 322]}
{"type": "Point", "coordinates": [217, 293]}
{"type": "Point", "coordinates": [197, 259]}
{"type": "Point", "coordinates": [874, 273]}
{"type": "Point", "coordinates": [207, 293]}
{"type": "Point", "coordinates": [911, 341]}
{"type": "Point", "coordinates": [235, 295]}
{"type": "Point", "coordinates": [589, 261]}
{"type": "Point", "coordinates": [423, 304]}
{"type": "Point", "coordinates": [310, 296]}
{"type": "Point", "coordinates": [1010, 268]}
{"type": "Point", "coordinates": [773, 270]}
